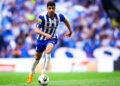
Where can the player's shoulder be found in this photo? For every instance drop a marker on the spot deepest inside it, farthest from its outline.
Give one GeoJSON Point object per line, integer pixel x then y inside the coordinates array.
{"type": "Point", "coordinates": [59, 14]}
{"type": "Point", "coordinates": [41, 15]}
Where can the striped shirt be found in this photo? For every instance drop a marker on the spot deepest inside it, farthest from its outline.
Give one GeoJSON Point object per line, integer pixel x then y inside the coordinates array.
{"type": "Point", "coordinates": [49, 25]}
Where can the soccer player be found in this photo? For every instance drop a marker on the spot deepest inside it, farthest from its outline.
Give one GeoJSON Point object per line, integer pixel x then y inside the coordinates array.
{"type": "Point", "coordinates": [46, 40]}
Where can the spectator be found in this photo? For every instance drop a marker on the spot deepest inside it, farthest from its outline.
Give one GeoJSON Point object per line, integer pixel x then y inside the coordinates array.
{"type": "Point", "coordinates": [17, 52]}
{"type": "Point", "coordinates": [2, 43]}
{"type": "Point", "coordinates": [91, 26]}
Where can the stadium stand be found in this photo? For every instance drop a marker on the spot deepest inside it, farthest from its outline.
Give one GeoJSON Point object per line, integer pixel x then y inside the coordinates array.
{"type": "Point", "coordinates": [92, 28]}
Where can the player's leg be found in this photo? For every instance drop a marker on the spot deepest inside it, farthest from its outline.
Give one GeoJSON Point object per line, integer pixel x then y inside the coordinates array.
{"type": "Point", "coordinates": [49, 49]}
{"type": "Point", "coordinates": [40, 47]}
{"type": "Point", "coordinates": [35, 62]}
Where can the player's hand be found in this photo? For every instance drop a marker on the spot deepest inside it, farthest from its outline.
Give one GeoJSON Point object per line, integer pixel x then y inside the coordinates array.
{"type": "Point", "coordinates": [68, 34]}
{"type": "Point", "coordinates": [48, 36]}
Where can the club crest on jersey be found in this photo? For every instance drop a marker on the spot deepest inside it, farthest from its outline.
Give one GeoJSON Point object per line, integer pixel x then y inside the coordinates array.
{"type": "Point", "coordinates": [47, 27]}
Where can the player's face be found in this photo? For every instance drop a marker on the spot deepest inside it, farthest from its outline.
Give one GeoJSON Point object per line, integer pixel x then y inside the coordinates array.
{"type": "Point", "coordinates": [51, 10]}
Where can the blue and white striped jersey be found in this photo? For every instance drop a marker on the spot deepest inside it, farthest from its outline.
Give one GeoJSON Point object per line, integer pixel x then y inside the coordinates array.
{"type": "Point", "coordinates": [49, 25]}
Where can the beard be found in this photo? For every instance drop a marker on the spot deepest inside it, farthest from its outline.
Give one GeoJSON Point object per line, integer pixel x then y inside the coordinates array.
{"type": "Point", "coordinates": [51, 13]}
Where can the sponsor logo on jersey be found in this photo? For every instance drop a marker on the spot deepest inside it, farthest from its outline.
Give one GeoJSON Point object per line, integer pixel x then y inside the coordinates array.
{"type": "Point", "coordinates": [40, 21]}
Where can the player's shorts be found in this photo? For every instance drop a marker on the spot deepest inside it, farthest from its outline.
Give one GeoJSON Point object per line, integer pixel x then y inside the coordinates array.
{"type": "Point", "coordinates": [42, 44]}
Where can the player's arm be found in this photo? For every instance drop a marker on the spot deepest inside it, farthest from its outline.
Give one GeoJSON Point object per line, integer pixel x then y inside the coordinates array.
{"type": "Point", "coordinates": [69, 28]}
{"type": "Point", "coordinates": [38, 28]}
{"type": "Point", "coordinates": [40, 32]}
{"type": "Point", "coordinates": [63, 19]}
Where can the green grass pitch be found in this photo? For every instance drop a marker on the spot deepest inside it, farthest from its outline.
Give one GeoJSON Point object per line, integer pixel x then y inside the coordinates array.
{"type": "Point", "coordinates": [62, 79]}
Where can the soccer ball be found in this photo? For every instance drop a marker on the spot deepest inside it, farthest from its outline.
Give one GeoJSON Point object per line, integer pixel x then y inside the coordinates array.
{"type": "Point", "coordinates": [43, 80]}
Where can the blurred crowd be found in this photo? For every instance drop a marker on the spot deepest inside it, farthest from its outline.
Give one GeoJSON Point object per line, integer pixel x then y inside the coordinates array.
{"type": "Point", "coordinates": [91, 26]}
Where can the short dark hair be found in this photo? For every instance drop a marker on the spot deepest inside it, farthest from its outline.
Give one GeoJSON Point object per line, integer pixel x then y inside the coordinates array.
{"type": "Point", "coordinates": [50, 3]}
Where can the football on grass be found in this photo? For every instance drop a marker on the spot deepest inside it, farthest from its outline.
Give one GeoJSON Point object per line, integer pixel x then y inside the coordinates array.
{"type": "Point", "coordinates": [43, 80]}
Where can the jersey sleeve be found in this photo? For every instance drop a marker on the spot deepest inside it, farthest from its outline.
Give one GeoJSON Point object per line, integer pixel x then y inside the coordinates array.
{"type": "Point", "coordinates": [62, 18]}
{"type": "Point", "coordinates": [40, 21]}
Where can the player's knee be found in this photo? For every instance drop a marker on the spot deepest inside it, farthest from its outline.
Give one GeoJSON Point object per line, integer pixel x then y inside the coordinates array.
{"type": "Point", "coordinates": [48, 51]}
{"type": "Point", "coordinates": [49, 48]}
{"type": "Point", "coordinates": [38, 56]}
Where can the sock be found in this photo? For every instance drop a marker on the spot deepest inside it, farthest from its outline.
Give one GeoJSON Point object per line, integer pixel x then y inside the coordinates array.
{"type": "Point", "coordinates": [35, 62]}
{"type": "Point", "coordinates": [46, 63]}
